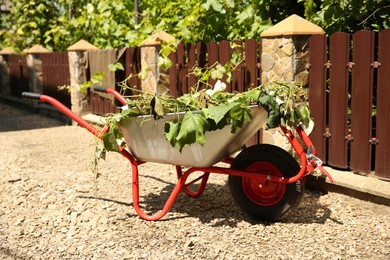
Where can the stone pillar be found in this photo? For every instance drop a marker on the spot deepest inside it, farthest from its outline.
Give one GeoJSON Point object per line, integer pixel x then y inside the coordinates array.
{"type": "Point", "coordinates": [285, 56]}
{"type": "Point", "coordinates": [34, 63]}
{"type": "Point", "coordinates": [78, 69]}
{"type": "Point", "coordinates": [154, 79]}
{"type": "Point", "coordinates": [4, 72]}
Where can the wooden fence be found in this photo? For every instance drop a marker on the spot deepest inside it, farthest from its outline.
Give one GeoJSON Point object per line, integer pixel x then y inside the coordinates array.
{"type": "Point", "coordinates": [186, 58]}
{"type": "Point", "coordinates": [55, 74]}
{"type": "Point", "coordinates": [18, 74]}
{"type": "Point", "coordinates": [349, 93]}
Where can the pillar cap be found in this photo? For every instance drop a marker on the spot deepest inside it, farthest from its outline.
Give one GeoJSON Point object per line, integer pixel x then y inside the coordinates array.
{"type": "Point", "coordinates": [157, 39]}
{"type": "Point", "coordinates": [82, 45]}
{"type": "Point", "coordinates": [37, 49]}
{"type": "Point", "coordinates": [7, 51]}
{"type": "Point", "coordinates": [293, 25]}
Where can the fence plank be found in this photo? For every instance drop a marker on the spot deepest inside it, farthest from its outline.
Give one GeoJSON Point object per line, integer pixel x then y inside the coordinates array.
{"type": "Point", "coordinates": [201, 60]}
{"type": "Point", "coordinates": [224, 57]}
{"type": "Point", "coordinates": [173, 72]}
{"type": "Point", "coordinates": [382, 166]}
{"type": "Point", "coordinates": [361, 100]}
{"type": "Point", "coordinates": [182, 72]}
{"type": "Point", "coordinates": [191, 50]}
{"type": "Point", "coordinates": [201, 53]}
{"type": "Point", "coordinates": [317, 91]}
{"type": "Point", "coordinates": [18, 74]}
{"type": "Point", "coordinates": [212, 50]}
{"type": "Point", "coordinates": [238, 83]}
{"type": "Point", "coordinates": [55, 70]}
{"type": "Point", "coordinates": [338, 99]}
{"type": "Point", "coordinates": [250, 76]}
{"type": "Point", "coordinates": [251, 64]}
{"type": "Point", "coordinates": [132, 67]}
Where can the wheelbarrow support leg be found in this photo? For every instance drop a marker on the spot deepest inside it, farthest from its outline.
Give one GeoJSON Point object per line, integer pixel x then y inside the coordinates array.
{"type": "Point", "coordinates": [204, 178]}
{"type": "Point", "coordinates": [168, 204]}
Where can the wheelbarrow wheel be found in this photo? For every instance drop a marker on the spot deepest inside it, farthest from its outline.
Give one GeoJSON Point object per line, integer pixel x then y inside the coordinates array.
{"type": "Point", "coordinates": [260, 198]}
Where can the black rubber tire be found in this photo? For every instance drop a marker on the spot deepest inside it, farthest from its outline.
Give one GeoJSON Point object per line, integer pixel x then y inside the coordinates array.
{"type": "Point", "coordinates": [280, 162]}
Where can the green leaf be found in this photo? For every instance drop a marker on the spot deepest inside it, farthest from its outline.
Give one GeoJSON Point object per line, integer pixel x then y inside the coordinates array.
{"type": "Point", "coordinates": [274, 119]}
{"type": "Point", "coordinates": [230, 3]}
{"type": "Point", "coordinates": [90, 8]}
{"type": "Point", "coordinates": [157, 108]}
{"type": "Point", "coordinates": [217, 113]}
{"type": "Point", "coordinates": [171, 130]}
{"type": "Point", "coordinates": [116, 66]}
{"type": "Point", "coordinates": [218, 72]}
{"type": "Point", "coordinates": [164, 62]}
{"type": "Point", "coordinates": [192, 129]}
{"type": "Point", "coordinates": [215, 4]}
{"type": "Point", "coordinates": [112, 67]}
{"type": "Point", "coordinates": [239, 116]}
{"type": "Point", "coordinates": [110, 143]}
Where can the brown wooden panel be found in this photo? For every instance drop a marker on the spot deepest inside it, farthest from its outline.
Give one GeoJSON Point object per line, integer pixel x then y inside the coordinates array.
{"type": "Point", "coordinates": [382, 163]}
{"type": "Point", "coordinates": [224, 57]}
{"type": "Point", "coordinates": [173, 80]}
{"type": "Point", "coordinates": [55, 70]}
{"type": "Point", "coordinates": [251, 74]}
{"type": "Point", "coordinates": [132, 67]}
{"type": "Point", "coordinates": [18, 74]}
{"type": "Point", "coordinates": [260, 51]}
{"type": "Point", "coordinates": [92, 102]}
{"type": "Point", "coordinates": [212, 50]}
{"type": "Point", "coordinates": [317, 91]}
{"type": "Point", "coordinates": [338, 99]}
{"type": "Point", "coordinates": [237, 83]}
{"type": "Point", "coordinates": [182, 72]}
{"type": "Point", "coordinates": [251, 64]}
{"type": "Point", "coordinates": [191, 51]}
{"type": "Point", "coordinates": [201, 54]}
{"type": "Point", "coordinates": [361, 100]}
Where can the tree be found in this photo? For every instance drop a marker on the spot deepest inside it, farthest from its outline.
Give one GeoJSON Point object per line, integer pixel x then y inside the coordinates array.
{"type": "Point", "coordinates": [348, 15]}
{"type": "Point", "coordinates": [27, 23]}
{"type": "Point", "coordinates": [110, 23]}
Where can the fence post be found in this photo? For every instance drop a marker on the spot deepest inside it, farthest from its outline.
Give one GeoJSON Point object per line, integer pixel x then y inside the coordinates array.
{"type": "Point", "coordinates": [154, 79]}
{"type": "Point", "coordinates": [78, 71]}
{"type": "Point", "coordinates": [34, 64]}
{"type": "Point", "coordinates": [285, 56]}
{"type": "Point", "coordinates": [4, 72]}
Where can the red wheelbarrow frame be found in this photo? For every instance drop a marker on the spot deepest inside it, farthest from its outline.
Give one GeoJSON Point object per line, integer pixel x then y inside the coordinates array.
{"type": "Point", "coordinates": [308, 163]}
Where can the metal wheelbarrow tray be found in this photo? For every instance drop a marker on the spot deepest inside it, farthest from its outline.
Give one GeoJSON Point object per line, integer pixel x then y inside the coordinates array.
{"type": "Point", "coordinates": [145, 140]}
{"type": "Point", "coordinates": [265, 180]}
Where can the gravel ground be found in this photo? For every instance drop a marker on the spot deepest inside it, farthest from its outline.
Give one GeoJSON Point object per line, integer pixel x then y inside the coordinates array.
{"type": "Point", "coordinates": [52, 207]}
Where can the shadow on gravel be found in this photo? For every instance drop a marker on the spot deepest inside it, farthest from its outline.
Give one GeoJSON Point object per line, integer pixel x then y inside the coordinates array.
{"type": "Point", "coordinates": [14, 117]}
{"type": "Point", "coordinates": [217, 207]}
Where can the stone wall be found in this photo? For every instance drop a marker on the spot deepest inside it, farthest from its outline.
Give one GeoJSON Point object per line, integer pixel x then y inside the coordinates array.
{"type": "Point", "coordinates": [285, 59]}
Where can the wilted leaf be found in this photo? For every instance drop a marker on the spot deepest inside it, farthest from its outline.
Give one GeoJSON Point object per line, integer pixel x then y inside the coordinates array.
{"type": "Point", "coordinates": [109, 141]}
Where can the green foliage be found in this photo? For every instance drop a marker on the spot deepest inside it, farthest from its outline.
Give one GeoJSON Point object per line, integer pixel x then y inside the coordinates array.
{"type": "Point", "coordinates": [348, 15]}
{"type": "Point", "coordinates": [206, 110]}
{"type": "Point", "coordinates": [96, 79]}
{"type": "Point", "coordinates": [27, 23]}
{"type": "Point", "coordinates": [111, 23]}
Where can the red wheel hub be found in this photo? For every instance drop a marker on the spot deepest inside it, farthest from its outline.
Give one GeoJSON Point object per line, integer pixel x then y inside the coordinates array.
{"type": "Point", "coordinates": [261, 191]}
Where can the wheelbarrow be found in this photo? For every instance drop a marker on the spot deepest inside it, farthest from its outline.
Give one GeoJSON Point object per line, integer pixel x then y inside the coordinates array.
{"type": "Point", "coordinates": [265, 180]}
